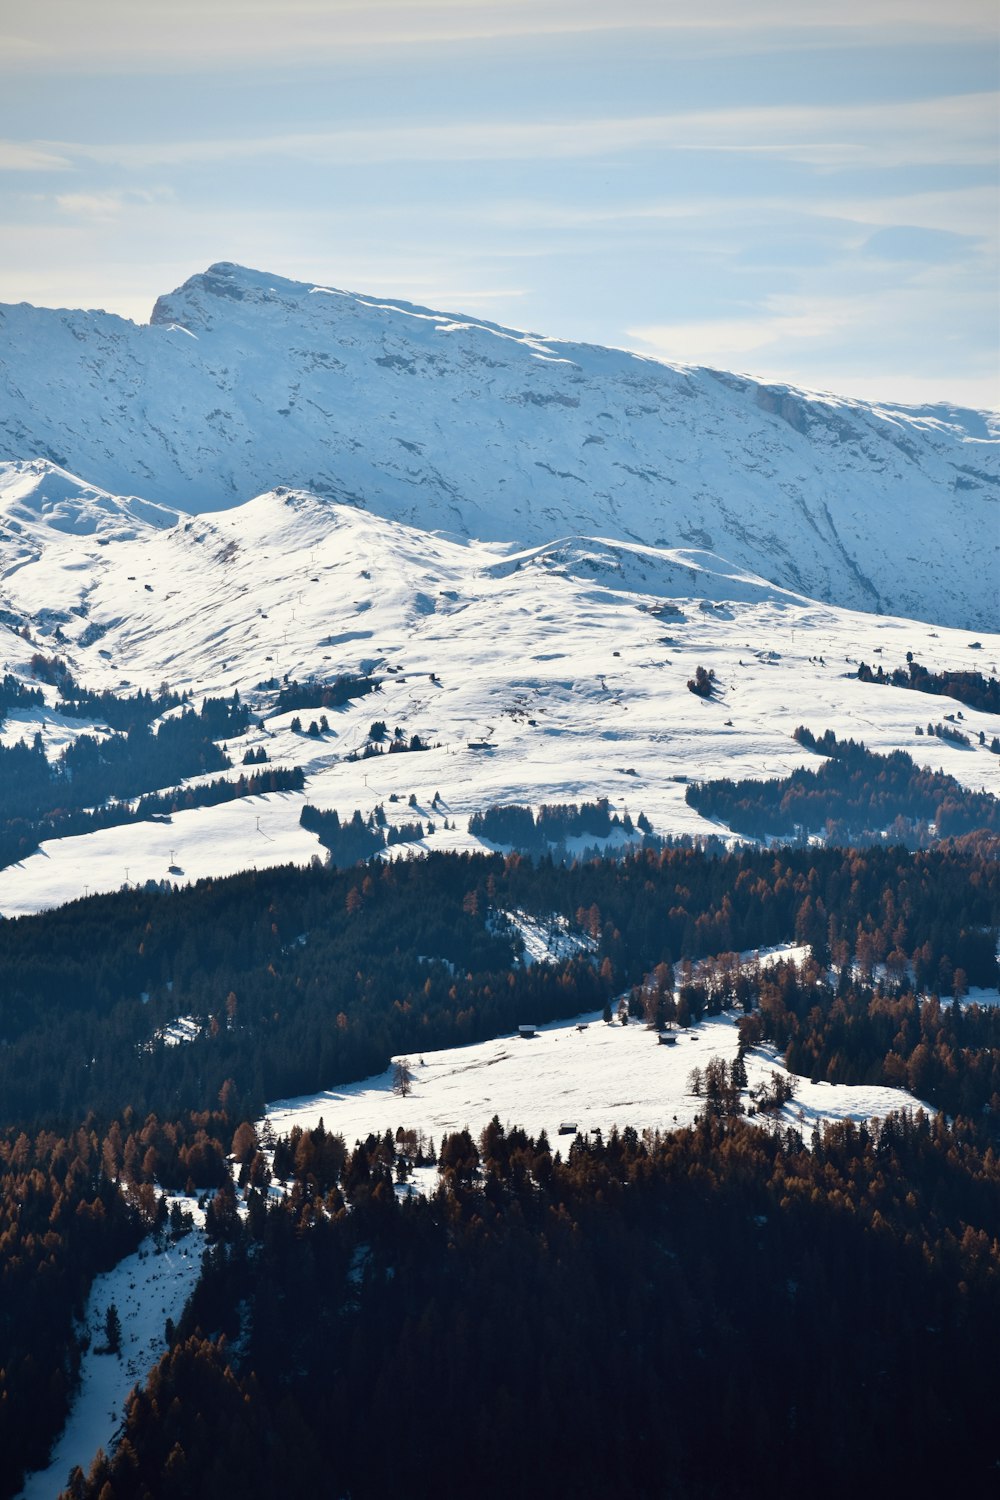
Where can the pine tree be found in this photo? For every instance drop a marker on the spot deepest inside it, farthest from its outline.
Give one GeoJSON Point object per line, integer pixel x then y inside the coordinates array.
{"type": "Point", "coordinates": [112, 1330]}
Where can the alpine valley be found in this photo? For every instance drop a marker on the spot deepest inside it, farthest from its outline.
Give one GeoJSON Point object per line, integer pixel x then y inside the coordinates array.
{"type": "Point", "coordinates": [377, 682]}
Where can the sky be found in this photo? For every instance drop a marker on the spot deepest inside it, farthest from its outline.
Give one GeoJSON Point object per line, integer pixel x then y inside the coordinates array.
{"type": "Point", "coordinates": [803, 190]}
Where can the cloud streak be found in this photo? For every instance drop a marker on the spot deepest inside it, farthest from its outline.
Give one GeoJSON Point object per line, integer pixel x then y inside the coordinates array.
{"type": "Point", "coordinates": [166, 35]}
{"type": "Point", "coordinates": [24, 156]}
{"type": "Point", "coordinates": [726, 341]}
{"type": "Point", "coordinates": [108, 207]}
{"type": "Point", "coordinates": [949, 130]}
{"type": "Point", "coordinates": [790, 336]}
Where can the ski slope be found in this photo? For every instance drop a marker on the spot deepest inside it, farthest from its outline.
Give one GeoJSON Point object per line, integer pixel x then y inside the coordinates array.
{"type": "Point", "coordinates": [567, 664]}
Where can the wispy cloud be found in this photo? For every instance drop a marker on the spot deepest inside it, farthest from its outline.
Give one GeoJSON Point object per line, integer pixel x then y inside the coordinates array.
{"type": "Point", "coordinates": [963, 210]}
{"type": "Point", "coordinates": [955, 129]}
{"type": "Point", "coordinates": [972, 210]}
{"type": "Point", "coordinates": [160, 35]}
{"type": "Point", "coordinates": [22, 156]}
{"type": "Point", "coordinates": [107, 207]}
{"type": "Point", "coordinates": [886, 343]}
{"type": "Point", "coordinates": [726, 341]}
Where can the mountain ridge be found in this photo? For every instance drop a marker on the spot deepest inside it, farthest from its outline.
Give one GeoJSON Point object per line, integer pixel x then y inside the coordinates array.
{"type": "Point", "coordinates": [243, 381]}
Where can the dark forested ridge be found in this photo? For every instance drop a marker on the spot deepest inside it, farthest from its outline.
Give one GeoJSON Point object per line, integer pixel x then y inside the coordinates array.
{"type": "Point", "coordinates": [855, 797]}
{"type": "Point", "coordinates": [720, 1311]}
{"type": "Point", "coordinates": [609, 1310]}
{"type": "Point", "coordinates": [62, 1220]}
{"type": "Point", "coordinates": [70, 1207]}
{"type": "Point", "coordinates": [302, 976]}
{"type": "Point", "coordinates": [859, 1032]}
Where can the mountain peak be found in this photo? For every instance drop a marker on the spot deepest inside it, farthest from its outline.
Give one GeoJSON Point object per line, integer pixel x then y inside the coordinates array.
{"type": "Point", "coordinates": [223, 282]}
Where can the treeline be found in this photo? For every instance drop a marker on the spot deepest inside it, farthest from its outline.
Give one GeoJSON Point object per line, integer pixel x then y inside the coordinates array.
{"type": "Point", "coordinates": [358, 838]}
{"type": "Point", "coordinates": [591, 1324]}
{"type": "Point", "coordinates": [125, 712]}
{"type": "Point", "coordinates": [122, 712]}
{"type": "Point", "coordinates": [954, 735]}
{"type": "Point", "coordinates": [42, 799]}
{"type": "Point", "coordinates": [855, 798]}
{"type": "Point", "coordinates": [396, 746]}
{"type": "Point", "coordinates": [16, 694]}
{"type": "Point", "coordinates": [862, 1032]}
{"type": "Point", "coordinates": [970, 688]}
{"type": "Point", "coordinates": [303, 977]}
{"type": "Point", "coordinates": [547, 830]}
{"type": "Point", "coordinates": [851, 1029]}
{"type": "Point", "coordinates": [62, 824]}
{"type": "Point", "coordinates": [89, 769]}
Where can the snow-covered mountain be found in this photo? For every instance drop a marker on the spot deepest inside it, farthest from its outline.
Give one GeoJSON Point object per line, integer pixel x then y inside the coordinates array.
{"type": "Point", "coordinates": [553, 673]}
{"type": "Point", "coordinates": [532, 546]}
{"type": "Point", "coordinates": [243, 381]}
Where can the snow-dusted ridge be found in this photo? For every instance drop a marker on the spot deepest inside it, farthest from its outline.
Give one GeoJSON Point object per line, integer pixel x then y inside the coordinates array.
{"type": "Point", "coordinates": [244, 380]}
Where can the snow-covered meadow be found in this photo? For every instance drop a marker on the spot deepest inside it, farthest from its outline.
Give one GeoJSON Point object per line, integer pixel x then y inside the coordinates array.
{"type": "Point", "coordinates": [583, 1073]}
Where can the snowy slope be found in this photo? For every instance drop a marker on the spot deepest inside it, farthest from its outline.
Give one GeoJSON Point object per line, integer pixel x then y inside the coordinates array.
{"type": "Point", "coordinates": [245, 380]}
{"type": "Point", "coordinates": [594, 1078]}
{"type": "Point", "coordinates": [569, 661]}
{"type": "Point", "coordinates": [147, 1288]}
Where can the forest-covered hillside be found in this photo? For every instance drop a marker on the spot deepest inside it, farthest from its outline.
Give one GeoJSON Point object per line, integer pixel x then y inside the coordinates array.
{"type": "Point", "coordinates": [609, 1305]}
{"type": "Point", "coordinates": [719, 1311]}
{"type": "Point", "coordinates": [299, 977]}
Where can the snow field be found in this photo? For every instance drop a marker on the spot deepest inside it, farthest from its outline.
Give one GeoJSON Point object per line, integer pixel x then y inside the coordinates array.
{"type": "Point", "coordinates": [547, 942]}
{"type": "Point", "coordinates": [254, 832]}
{"type": "Point", "coordinates": [581, 1072]}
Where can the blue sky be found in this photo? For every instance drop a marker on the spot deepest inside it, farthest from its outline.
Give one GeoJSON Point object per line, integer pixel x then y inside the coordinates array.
{"type": "Point", "coordinates": [803, 189]}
